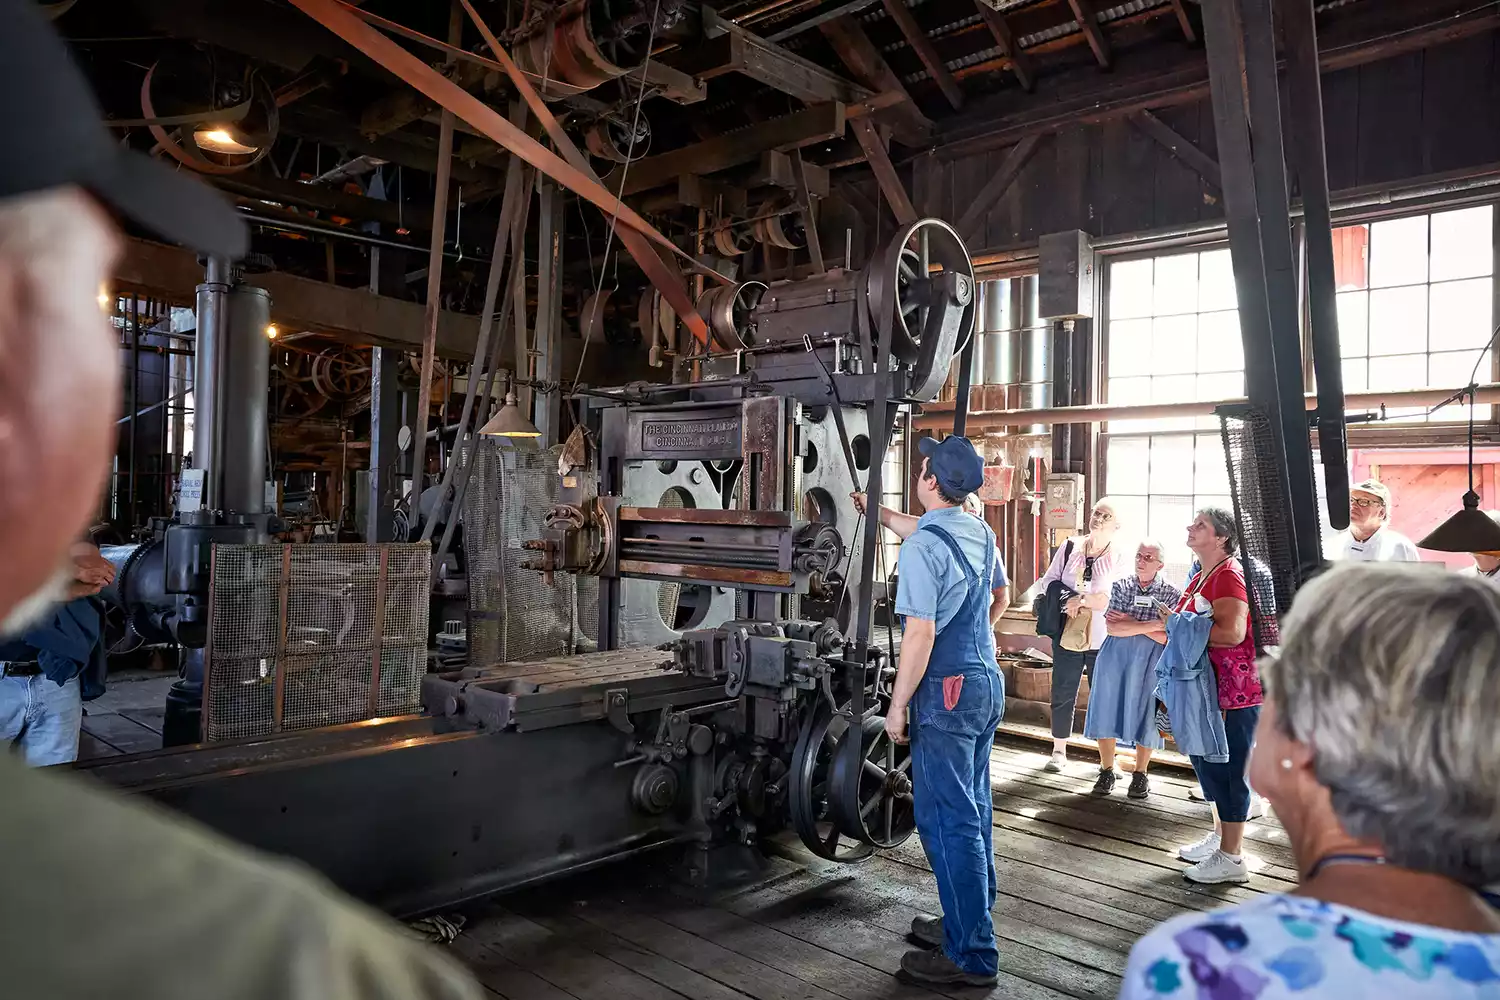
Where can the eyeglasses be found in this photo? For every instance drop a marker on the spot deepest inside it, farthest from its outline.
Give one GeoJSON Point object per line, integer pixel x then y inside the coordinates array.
{"type": "Point", "coordinates": [1101, 515]}
{"type": "Point", "coordinates": [1362, 503]}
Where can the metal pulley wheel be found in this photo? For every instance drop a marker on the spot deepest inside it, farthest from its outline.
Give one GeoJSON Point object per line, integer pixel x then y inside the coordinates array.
{"type": "Point", "coordinates": [591, 316]}
{"type": "Point", "coordinates": [779, 224]}
{"type": "Point", "coordinates": [727, 310]}
{"type": "Point", "coordinates": [872, 801]}
{"type": "Point", "coordinates": [925, 265]}
{"type": "Point", "coordinates": [811, 789]}
{"type": "Point", "coordinates": [340, 373]}
{"type": "Point", "coordinates": [235, 140]}
{"type": "Point", "coordinates": [731, 239]}
{"type": "Point", "coordinates": [618, 139]}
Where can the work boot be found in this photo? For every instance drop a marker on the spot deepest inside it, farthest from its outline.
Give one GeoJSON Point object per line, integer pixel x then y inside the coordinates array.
{"type": "Point", "coordinates": [936, 969]}
{"type": "Point", "coordinates": [927, 931]}
{"type": "Point", "coordinates": [1106, 782]}
{"type": "Point", "coordinates": [1140, 786]}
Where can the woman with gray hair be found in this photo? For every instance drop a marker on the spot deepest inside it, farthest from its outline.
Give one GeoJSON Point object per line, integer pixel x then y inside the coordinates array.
{"type": "Point", "coordinates": [1378, 750]}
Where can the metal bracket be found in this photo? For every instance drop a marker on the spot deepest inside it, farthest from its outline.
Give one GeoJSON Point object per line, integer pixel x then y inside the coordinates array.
{"type": "Point", "coordinates": [617, 709]}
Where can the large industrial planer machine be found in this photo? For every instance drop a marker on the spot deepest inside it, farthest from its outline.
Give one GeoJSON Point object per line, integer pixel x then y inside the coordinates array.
{"type": "Point", "coordinates": [757, 706]}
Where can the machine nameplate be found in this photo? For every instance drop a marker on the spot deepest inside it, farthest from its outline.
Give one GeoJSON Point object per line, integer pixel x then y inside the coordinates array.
{"type": "Point", "coordinates": [690, 436]}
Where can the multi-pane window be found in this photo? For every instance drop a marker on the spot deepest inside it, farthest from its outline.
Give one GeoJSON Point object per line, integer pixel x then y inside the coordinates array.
{"type": "Point", "coordinates": [1416, 302]}
{"type": "Point", "coordinates": [1172, 335]}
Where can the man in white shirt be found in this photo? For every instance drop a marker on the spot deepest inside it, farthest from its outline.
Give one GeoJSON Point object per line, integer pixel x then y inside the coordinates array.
{"type": "Point", "coordinates": [1368, 538]}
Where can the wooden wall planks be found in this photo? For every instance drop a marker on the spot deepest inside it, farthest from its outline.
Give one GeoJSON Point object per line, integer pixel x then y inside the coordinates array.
{"type": "Point", "coordinates": [1427, 112]}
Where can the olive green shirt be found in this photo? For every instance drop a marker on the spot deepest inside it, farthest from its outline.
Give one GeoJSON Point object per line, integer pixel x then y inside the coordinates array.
{"type": "Point", "coordinates": [106, 896]}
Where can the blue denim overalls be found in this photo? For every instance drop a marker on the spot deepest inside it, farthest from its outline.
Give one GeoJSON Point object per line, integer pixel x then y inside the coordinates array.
{"type": "Point", "coordinates": [954, 714]}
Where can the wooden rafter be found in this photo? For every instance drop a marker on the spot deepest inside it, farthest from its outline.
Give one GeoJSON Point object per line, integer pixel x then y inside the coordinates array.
{"type": "Point", "coordinates": [922, 46]}
{"type": "Point", "coordinates": [865, 63]}
{"type": "Point", "coordinates": [1184, 22]}
{"type": "Point", "coordinates": [1005, 40]}
{"type": "Point", "coordinates": [1168, 138]}
{"type": "Point", "coordinates": [1087, 16]}
{"type": "Point", "coordinates": [970, 225]}
{"type": "Point", "coordinates": [873, 143]}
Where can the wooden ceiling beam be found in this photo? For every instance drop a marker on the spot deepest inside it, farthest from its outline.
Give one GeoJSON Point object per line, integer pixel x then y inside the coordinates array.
{"type": "Point", "coordinates": [971, 224]}
{"type": "Point", "coordinates": [922, 46]}
{"type": "Point", "coordinates": [865, 63]}
{"type": "Point", "coordinates": [1088, 22]}
{"type": "Point", "coordinates": [1005, 40]}
{"type": "Point", "coordinates": [873, 143]}
{"type": "Point", "coordinates": [1195, 159]}
{"type": "Point", "coordinates": [1184, 22]}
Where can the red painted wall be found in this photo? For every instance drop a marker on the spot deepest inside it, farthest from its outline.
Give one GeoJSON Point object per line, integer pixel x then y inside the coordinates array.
{"type": "Point", "coordinates": [1427, 485]}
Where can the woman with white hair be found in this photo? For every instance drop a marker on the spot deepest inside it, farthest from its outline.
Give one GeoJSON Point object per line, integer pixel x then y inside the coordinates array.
{"type": "Point", "coordinates": [1088, 565]}
{"type": "Point", "coordinates": [1378, 750]}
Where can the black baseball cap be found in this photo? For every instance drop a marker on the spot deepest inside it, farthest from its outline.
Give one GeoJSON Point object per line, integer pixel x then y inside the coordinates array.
{"type": "Point", "coordinates": [55, 136]}
{"type": "Point", "coordinates": [955, 463]}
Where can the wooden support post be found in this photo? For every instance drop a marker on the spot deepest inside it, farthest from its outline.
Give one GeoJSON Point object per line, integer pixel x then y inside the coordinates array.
{"type": "Point", "coordinates": [1196, 159]}
{"type": "Point", "coordinates": [970, 226]}
{"type": "Point", "coordinates": [1184, 22]}
{"type": "Point", "coordinates": [434, 277]}
{"type": "Point", "coordinates": [922, 46]}
{"type": "Point", "coordinates": [1088, 21]}
{"type": "Point", "coordinates": [879, 159]}
{"type": "Point", "coordinates": [809, 214]}
{"type": "Point", "coordinates": [1005, 40]}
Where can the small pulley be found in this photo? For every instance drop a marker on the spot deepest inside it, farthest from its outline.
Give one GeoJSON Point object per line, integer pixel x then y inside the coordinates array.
{"type": "Point", "coordinates": [925, 280]}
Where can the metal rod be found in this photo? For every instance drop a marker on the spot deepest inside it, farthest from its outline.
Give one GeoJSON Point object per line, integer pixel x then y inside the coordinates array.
{"type": "Point", "coordinates": [347, 234]}
{"type": "Point", "coordinates": [154, 406]}
{"type": "Point", "coordinates": [135, 394]}
{"type": "Point", "coordinates": [434, 276]}
{"type": "Point", "coordinates": [992, 419]}
{"type": "Point", "coordinates": [513, 194]}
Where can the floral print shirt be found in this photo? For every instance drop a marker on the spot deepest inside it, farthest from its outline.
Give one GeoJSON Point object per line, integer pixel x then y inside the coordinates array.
{"type": "Point", "coordinates": [1281, 947]}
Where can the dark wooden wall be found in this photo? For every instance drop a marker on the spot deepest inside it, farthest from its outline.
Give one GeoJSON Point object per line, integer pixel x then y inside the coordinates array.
{"type": "Point", "coordinates": [1430, 112]}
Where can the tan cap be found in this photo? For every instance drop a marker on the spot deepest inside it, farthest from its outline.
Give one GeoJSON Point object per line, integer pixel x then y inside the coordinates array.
{"type": "Point", "coordinates": [1374, 488]}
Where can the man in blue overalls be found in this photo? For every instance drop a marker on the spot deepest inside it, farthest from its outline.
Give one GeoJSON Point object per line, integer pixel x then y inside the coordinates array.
{"type": "Point", "coordinates": [950, 685]}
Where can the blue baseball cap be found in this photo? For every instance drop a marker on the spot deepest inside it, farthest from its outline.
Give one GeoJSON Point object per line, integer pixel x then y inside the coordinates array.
{"type": "Point", "coordinates": [955, 463]}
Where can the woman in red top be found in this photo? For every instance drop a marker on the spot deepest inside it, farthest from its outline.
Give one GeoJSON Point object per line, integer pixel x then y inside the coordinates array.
{"type": "Point", "coordinates": [1220, 586]}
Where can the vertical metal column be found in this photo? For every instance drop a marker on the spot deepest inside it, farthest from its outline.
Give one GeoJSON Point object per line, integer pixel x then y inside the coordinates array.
{"type": "Point", "coordinates": [1240, 41]}
{"type": "Point", "coordinates": [550, 222]}
{"type": "Point", "coordinates": [1305, 117]}
{"type": "Point", "coordinates": [385, 424]}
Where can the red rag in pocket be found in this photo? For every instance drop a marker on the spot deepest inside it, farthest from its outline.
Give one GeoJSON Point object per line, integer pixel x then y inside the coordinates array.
{"type": "Point", "coordinates": [952, 687]}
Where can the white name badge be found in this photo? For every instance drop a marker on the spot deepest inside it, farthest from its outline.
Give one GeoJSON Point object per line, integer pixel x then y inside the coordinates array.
{"type": "Point", "coordinates": [1145, 601]}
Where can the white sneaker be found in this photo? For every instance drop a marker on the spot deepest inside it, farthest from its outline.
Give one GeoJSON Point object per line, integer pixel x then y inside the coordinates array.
{"type": "Point", "coordinates": [1201, 850]}
{"type": "Point", "coordinates": [1257, 807]}
{"type": "Point", "coordinates": [1196, 793]}
{"type": "Point", "coordinates": [1058, 762]}
{"type": "Point", "coordinates": [1218, 868]}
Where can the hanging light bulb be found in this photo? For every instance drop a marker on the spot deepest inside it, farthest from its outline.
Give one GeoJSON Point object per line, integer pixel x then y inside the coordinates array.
{"type": "Point", "coordinates": [106, 300]}
{"type": "Point", "coordinates": [219, 139]}
{"type": "Point", "coordinates": [509, 421]}
{"type": "Point", "coordinates": [272, 332]}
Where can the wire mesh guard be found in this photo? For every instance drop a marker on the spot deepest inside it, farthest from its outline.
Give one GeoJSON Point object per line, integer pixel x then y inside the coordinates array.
{"type": "Point", "coordinates": [513, 614]}
{"type": "Point", "coordinates": [1261, 514]}
{"type": "Point", "coordinates": [303, 636]}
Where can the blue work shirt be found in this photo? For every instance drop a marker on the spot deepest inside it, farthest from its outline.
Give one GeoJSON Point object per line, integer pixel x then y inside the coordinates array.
{"type": "Point", "coordinates": [930, 586]}
{"type": "Point", "coordinates": [63, 643]}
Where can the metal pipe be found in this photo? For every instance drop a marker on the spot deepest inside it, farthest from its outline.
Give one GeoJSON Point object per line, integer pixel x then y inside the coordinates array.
{"type": "Point", "coordinates": [135, 396]}
{"type": "Point", "coordinates": [207, 379]}
{"type": "Point", "coordinates": [348, 234]}
{"type": "Point", "coordinates": [1000, 419]}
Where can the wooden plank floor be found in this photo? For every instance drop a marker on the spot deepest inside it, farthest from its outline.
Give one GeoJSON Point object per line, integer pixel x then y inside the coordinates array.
{"type": "Point", "coordinates": [1080, 879]}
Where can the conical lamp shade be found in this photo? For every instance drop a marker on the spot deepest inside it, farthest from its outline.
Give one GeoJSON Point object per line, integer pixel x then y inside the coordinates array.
{"type": "Point", "coordinates": [1470, 530]}
{"type": "Point", "coordinates": [510, 422]}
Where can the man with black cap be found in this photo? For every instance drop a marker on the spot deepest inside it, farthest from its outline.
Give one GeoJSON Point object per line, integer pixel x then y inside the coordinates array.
{"type": "Point", "coordinates": [949, 691]}
{"type": "Point", "coordinates": [104, 896]}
